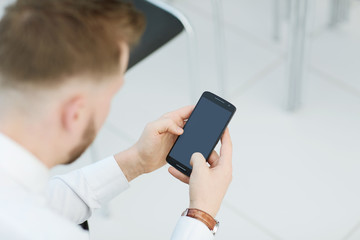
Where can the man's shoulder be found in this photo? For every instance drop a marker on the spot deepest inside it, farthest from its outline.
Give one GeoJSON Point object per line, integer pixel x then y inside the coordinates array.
{"type": "Point", "coordinates": [27, 217]}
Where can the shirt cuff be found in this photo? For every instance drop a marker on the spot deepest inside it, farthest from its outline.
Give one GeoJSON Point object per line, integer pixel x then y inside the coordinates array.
{"type": "Point", "coordinates": [105, 179]}
{"type": "Point", "coordinates": [188, 228]}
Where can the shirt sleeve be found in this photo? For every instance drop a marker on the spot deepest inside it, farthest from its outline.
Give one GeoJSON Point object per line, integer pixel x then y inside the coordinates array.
{"type": "Point", "coordinates": [77, 194]}
{"type": "Point", "coordinates": [188, 228]}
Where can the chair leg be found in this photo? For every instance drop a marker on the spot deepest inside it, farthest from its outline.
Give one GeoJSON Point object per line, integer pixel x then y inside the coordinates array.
{"type": "Point", "coordinates": [339, 12]}
{"type": "Point", "coordinates": [287, 9]}
{"type": "Point", "coordinates": [345, 10]}
{"type": "Point", "coordinates": [276, 20]}
{"type": "Point", "coordinates": [220, 46]}
{"type": "Point", "coordinates": [195, 88]}
{"type": "Point", "coordinates": [296, 52]}
{"type": "Point", "coordinates": [193, 66]}
{"type": "Point", "coordinates": [335, 12]}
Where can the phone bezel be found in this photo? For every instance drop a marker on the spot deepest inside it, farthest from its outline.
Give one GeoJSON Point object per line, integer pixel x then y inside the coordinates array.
{"type": "Point", "coordinates": [217, 100]}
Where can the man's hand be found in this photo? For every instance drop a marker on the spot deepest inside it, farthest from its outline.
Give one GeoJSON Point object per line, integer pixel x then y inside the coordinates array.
{"type": "Point", "coordinates": [150, 151]}
{"type": "Point", "coordinates": [208, 184]}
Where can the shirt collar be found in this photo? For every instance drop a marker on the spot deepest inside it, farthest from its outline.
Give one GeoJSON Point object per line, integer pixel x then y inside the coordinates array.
{"type": "Point", "coordinates": [22, 166]}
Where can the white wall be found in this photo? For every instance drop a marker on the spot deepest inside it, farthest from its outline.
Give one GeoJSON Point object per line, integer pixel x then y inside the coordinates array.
{"type": "Point", "coordinates": [3, 4]}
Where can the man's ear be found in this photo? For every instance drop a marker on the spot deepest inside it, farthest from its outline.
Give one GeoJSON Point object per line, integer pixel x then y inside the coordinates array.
{"type": "Point", "coordinates": [73, 113]}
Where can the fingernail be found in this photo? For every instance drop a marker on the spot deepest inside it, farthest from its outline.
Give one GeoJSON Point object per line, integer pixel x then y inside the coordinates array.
{"type": "Point", "coordinates": [180, 130]}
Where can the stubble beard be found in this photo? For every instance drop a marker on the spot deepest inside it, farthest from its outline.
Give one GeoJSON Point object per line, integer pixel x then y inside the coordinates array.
{"type": "Point", "coordinates": [88, 137]}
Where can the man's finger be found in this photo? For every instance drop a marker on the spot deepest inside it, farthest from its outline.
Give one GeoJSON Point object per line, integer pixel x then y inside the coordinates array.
{"type": "Point", "coordinates": [179, 175]}
{"type": "Point", "coordinates": [167, 125]}
{"type": "Point", "coordinates": [198, 161]}
{"type": "Point", "coordinates": [214, 157]}
{"type": "Point", "coordinates": [226, 145]}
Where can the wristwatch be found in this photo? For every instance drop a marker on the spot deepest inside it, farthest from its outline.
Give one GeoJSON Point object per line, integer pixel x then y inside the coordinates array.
{"type": "Point", "coordinates": [204, 217]}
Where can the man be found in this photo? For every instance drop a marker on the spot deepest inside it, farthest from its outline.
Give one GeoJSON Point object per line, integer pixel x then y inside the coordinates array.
{"type": "Point", "coordinates": [61, 62]}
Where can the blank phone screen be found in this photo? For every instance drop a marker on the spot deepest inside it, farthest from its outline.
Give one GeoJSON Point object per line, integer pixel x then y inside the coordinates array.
{"type": "Point", "coordinates": [201, 132]}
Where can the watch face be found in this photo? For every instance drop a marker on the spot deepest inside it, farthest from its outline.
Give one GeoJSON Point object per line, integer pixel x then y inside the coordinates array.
{"type": "Point", "coordinates": [216, 227]}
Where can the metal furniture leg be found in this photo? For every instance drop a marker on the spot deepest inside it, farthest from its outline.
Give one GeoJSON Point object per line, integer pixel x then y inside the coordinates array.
{"type": "Point", "coordinates": [287, 9]}
{"type": "Point", "coordinates": [296, 52]}
{"type": "Point", "coordinates": [339, 12]}
{"type": "Point", "coordinates": [334, 9]}
{"type": "Point", "coordinates": [220, 46]}
{"type": "Point", "coordinates": [276, 20]}
{"type": "Point", "coordinates": [194, 85]}
{"type": "Point", "coordinates": [344, 10]}
{"type": "Point", "coordinates": [277, 16]}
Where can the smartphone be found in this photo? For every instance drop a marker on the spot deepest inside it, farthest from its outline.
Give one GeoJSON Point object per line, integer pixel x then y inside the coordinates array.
{"type": "Point", "coordinates": [202, 131]}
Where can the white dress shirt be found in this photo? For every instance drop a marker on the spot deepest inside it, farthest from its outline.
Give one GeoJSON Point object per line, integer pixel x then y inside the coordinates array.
{"type": "Point", "coordinates": [34, 208]}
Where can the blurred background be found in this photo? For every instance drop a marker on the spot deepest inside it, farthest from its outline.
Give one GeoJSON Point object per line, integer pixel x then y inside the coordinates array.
{"type": "Point", "coordinates": [292, 69]}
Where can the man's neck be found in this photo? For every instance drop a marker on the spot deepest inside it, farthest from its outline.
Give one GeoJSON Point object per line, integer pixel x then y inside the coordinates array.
{"type": "Point", "coordinates": [30, 137]}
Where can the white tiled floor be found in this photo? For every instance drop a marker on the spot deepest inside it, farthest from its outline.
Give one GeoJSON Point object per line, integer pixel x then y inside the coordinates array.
{"type": "Point", "coordinates": [296, 175]}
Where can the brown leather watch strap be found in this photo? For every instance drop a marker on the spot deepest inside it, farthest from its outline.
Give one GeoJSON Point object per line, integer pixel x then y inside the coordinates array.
{"type": "Point", "coordinates": [202, 216]}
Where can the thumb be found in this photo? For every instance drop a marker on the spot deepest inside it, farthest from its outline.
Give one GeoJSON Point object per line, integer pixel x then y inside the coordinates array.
{"type": "Point", "coordinates": [198, 161]}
